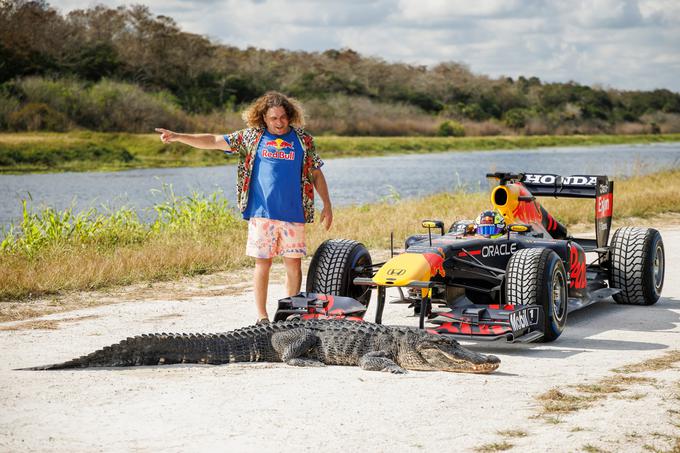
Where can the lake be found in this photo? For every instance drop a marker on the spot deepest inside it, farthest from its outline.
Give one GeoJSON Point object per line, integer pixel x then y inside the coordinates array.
{"type": "Point", "coordinates": [350, 180]}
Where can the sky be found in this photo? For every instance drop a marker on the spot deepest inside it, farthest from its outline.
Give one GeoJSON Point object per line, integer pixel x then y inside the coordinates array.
{"type": "Point", "coordinates": [621, 44]}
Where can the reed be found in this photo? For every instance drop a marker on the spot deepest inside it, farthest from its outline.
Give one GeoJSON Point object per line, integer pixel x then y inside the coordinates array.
{"type": "Point", "coordinates": [52, 252]}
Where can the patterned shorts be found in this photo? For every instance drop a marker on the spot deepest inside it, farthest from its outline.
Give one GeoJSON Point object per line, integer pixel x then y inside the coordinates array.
{"type": "Point", "coordinates": [268, 238]}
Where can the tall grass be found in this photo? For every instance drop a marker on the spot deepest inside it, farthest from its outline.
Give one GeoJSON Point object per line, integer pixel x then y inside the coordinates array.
{"type": "Point", "coordinates": [47, 228]}
{"type": "Point", "coordinates": [52, 251]}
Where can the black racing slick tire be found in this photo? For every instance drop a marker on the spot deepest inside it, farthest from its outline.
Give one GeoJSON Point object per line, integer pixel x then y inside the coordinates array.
{"type": "Point", "coordinates": [537, 276]}
{"type": "Point", "coordinates": [334, 266]}
{"type": "Point", "coordinates": [636, 265]}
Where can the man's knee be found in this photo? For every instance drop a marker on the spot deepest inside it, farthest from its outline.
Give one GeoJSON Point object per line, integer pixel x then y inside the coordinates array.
{"type": "Point", "coordinates": [263, 263]}
{"type": "Point", "coordinates": [293, 265]}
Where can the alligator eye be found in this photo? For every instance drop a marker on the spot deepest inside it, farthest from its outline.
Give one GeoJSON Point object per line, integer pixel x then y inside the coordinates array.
{"type": "Point", "coordinates": [426, 345]}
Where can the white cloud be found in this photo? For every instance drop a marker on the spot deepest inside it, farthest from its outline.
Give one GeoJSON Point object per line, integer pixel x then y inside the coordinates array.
{"type": "Point", "coordinates": [626, 44]}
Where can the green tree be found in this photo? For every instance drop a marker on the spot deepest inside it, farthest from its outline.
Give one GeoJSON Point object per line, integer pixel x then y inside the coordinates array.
{"type": "Point", "coordinates": [516, 118]}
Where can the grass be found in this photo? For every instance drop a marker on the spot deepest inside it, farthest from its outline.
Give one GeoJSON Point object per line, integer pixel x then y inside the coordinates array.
{"type": "Point", "coordinates": [513, 433]}
{"type": "Point", "coordinates": [560, 401]}
{"type": "Point", "coordinates": [52, 252]}
{"type": "Point", "coordinates": [89, 151]}
{"type": "Point", "coordinates": [493, 447]}
{"type": "Point", "coordinates": [657, 363]}
{"type": "Point", "coordinates": [555, 401]}
{"type": "Point", "coordinates": [45, 324]}
{"type": "Point", "coordinates": [593, 449]}
{"type": "Point", "coordinates": [95, 151]}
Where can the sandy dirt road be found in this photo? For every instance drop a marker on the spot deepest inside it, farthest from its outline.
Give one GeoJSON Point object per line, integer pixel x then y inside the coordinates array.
{"type": "Point", "coordinates": [255, 407]}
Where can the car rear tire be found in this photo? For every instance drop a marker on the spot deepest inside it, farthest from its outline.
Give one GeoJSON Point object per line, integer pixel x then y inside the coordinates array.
{"type": "Point", "coordinates": [334, 267]}
{"type": "Point", "coordinates": [637, 265]}
{"type": "Point", "coordinates": [537, 277]}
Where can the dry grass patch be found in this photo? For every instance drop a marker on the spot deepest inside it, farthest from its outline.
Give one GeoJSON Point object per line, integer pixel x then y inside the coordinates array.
{"type": "Point", "coordinates": [33, 325]}
{"type": "Point", "coordinates": [68, 268]}
{"type": "Point", "coordinates": [186, 288]}
{"type": "Point", "coordinates": [674, 442]}
{"type": "Point", "coordinates": [593, 449]}
{"type": "Point", "coordinates": [632, 396]}
{"type": "Point", "coordinates": [612, 384]}
{"type": "Point", "coordinates": [555, 401]}
{"type": "Point", "coordinates": [164, 317]}
{"type": "Point", "coordinates": [495, 446]}
{"type": "Point", "coordinates": [675, 417]}
{"type": "Point", "coordinates": [659, 363]}
{"type": "Point", "coordinates": [513, 433]}
{"type": "Point", "coordinates": [48, 324]}
{"type": "Point", "coordinates": [601, 388]}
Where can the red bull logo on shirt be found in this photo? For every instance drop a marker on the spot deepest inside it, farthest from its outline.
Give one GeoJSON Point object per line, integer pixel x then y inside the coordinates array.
{"type": "Point", "coordinates": [278, 152]}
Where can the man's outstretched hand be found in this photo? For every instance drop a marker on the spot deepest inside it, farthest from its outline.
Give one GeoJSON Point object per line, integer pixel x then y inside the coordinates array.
{"type": "Point", "coordinates": [166, 135]}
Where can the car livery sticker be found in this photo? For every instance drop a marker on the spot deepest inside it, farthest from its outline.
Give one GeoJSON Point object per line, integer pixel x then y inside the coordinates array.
{"type": "Point", "coordinates": [577, 268]}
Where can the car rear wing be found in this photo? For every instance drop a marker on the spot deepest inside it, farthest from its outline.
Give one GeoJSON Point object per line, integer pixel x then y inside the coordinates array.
{"type": "Point", "coordinates": [598, 187]}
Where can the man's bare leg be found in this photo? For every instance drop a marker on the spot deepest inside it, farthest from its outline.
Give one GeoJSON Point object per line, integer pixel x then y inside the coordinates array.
{"type": "Point", "coordinates": [293, 275]}
{"type": "Point", "coordinates": [261, 282]}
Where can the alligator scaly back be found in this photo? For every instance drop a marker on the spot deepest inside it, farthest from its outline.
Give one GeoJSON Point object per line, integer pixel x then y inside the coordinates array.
{"type": "Point", "coordinates": [242, 345]}
{"type": "Point", "coordinates": [300, 343]}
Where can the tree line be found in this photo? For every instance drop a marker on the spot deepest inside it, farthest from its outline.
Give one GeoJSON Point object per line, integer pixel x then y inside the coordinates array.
{"type": "Point", "coordinates": [126, 59]}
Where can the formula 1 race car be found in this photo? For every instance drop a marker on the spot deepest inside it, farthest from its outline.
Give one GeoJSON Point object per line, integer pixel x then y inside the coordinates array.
{"type": "Point", "coordinates": [518, 284]}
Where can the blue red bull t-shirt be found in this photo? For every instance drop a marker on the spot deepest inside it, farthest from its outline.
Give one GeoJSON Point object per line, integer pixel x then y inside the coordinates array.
{"type": "Point", "coordinates": [275, 188]}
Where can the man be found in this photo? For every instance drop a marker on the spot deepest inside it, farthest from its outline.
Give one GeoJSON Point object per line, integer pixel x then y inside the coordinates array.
{"type": "Point", "coordinates": [491, 224]}
{"type": "Point", "coordinates": [278, 171]}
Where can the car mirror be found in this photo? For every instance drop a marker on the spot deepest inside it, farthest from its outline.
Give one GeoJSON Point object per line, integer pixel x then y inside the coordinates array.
{"type": "Point", "coordinates": [519, 227]}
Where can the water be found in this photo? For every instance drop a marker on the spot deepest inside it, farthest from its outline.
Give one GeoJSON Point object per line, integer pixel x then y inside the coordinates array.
{"type": "Point", "coordinates": [350, 180]}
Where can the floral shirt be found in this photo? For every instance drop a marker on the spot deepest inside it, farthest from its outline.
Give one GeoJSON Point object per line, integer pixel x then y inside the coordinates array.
{"type": "Point", "coordinates": [245, 142]}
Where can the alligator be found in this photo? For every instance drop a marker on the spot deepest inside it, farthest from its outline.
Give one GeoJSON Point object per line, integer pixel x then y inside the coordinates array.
{"type": "Point", "coordinates": [372, 347]}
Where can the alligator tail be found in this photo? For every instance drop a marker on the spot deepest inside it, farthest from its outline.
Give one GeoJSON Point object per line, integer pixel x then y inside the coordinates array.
{"type": "Point", "coordinates": [158, 349]}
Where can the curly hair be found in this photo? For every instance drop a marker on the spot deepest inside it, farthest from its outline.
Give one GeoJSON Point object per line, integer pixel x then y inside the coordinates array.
{"type": "Point", "coordinates": [254, 114]}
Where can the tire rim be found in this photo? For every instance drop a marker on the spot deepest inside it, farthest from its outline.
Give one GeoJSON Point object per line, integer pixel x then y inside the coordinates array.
{"type": "Point", "coordinates": [359, 292]}
{"type": "Point", "coordinates": [658, 268]}
{"type": "Point", "coordinates": [558, 296]}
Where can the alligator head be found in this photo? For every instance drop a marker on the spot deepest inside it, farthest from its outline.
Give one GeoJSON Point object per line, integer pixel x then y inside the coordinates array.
{"type": "Point", "coordinates": [422, 351]}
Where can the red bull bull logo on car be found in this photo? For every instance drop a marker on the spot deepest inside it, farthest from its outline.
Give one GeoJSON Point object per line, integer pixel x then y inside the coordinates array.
{"type": "Point", "coordinates": [436, 262]}
{"type": "Point", "coordinates": [278, 152]}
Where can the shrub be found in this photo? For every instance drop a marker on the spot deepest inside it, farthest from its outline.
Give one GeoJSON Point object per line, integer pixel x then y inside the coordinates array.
{"type": "Point", "coordinates": [516, 118]}
{"type": "Point", "coordinates": [8, 105]}
{"type": "Point", "coordinates": [115, 106]}
{"type": "Point", "coordinates": [451, 128]}
{"type": "Point", "coordinates": [61, 95]}
{"type": "Point", "coordinates": [356, 115]}
{"type": "Point", "coordinates": [667, 123]}
{"type": "Point", "coordinates": [104, 106]}
{"type": "Point", "coordinates": [36, 117]}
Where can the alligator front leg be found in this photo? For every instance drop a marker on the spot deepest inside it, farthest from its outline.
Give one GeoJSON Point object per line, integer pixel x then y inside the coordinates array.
{"type": "Point", "coordinates": [292, 345]}
{"type": "Point", "coordinates": [380, 361]}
